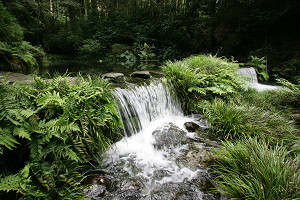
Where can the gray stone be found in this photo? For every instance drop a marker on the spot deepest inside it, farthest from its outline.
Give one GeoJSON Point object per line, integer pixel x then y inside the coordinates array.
{"type": "Point", "coordinates": [170, 136]}
{"type": "Point", "coordinates": [141, 74]}
{"type": "Point", "coordinates": [191, 126]}
{"type": "Point", "coordinates": [12, 77]}
{"type": "Point", "coordinates": [117, 77]}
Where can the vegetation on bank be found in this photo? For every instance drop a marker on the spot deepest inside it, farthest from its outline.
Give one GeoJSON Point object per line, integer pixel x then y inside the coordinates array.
{"type": "Point", "coordinates": [259, 155]}
{"type": "Point", "coordinates": [50, 132]}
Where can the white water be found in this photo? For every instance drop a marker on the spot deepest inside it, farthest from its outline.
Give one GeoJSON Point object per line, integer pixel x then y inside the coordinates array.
{"type": "Point", "coordinates": [153, 107]}
{"type": "Point", "coordinates": [249, 74]}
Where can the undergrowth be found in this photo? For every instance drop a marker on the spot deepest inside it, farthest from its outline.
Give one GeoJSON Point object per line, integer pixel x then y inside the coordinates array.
{"type": "Point", "coordinates": [258, 157]}
{"type": "Point", "coordinates": [203, 77]}
{"type": "Point", "coordinates": [251, 169]}
{"type": "Point", "coordinates": [50, 131]}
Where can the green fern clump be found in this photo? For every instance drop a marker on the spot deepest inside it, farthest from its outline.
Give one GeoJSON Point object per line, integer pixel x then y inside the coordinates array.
{"type": "Point", "coordinates": [203, 77]}
{"type": "Point", "coordinates": [63, 127]}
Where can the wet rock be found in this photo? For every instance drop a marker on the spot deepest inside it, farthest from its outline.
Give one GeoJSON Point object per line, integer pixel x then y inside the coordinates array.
{"type": "Point", "coordinates": [141, 74]}
{"type": "Point", "coordinates": [95, 192]}
{"type": "Point", "coordinates": [170, 136]}
{"type": "Point", "coordinates": [127, 189]}
{"type": "Point", "coordinates": [188, 190]}
{"type": "Point", "coordinates": [100, 184]}
{"type": "Point", "coordinates": [191, 126]}
{"type": "Point", "coordinates": [198, 157]}
{"type": "Point", "coordinates": [116, 77]}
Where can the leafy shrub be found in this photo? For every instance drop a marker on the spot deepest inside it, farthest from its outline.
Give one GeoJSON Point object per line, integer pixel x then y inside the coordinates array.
{"type": "Point", "coordinates": [250, 169]}
{"type": "Point", "coordinates": [62, 126]}
{"type": "Point", "coordinates": [91, 48]}
{"type": "Point", "coordinates": [203, 77]}
{"type": "Point", "coordinates": [260, 67]}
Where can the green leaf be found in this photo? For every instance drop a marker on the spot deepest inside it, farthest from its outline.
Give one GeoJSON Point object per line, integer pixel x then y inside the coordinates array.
{"type": "Point", "coordinates": [7, 139]}
{"type": "Point", "coordinates": [22, 132]}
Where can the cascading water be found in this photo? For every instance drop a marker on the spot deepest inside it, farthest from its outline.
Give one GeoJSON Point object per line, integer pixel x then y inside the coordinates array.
{"type": "Point", "coordinates": [158, 158]}
{"type": "Point", "coordinates": [250, 75]}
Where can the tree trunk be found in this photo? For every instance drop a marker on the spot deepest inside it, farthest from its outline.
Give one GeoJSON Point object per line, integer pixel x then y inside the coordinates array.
{"type": "Point", "coordinates": [51, 7]}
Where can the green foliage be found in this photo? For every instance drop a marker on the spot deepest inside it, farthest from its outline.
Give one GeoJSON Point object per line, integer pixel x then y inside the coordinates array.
{"type": "Point", "coordinates": [91, 48]}
{"type": "Point", "coordinates": [238, 118]}
{"type": "Point", "coordinates": [146, 52]}
{"type": "Point", "coordinates": [10, 30]}
{"type": "Point", "coordinates": [16, 54]}
{"type": "Point", "coordinates": [64, 127]}
{"type": "Point", "coordinates": [250, 169]}
{"type": "Point", "coordinates": [260, 67]}
{"type": "Point", "coordinates": [295, 88]}
{"type": "Point", "coordinates": [203, 77]}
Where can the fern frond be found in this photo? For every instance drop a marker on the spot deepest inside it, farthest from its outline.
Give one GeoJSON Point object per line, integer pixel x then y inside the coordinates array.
{"type": "Point", "coordinates": [62, 125]}
{"type": "Point", "coordinates": [27, 113]}
{"type": "Point", "coordinates": [22, 132]}
{"type": "Point", "coordinates": [198, 90]}
{"type": "Point", "coordinates": [7, 140]}
{"type": "Point", "coordinates": [51, 99]}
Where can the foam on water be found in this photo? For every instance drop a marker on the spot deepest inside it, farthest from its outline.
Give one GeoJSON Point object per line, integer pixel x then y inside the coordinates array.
{"type": "Point", "coordinates": [153, 108]}
{"type": "Point", "coordinates": [249, 74]}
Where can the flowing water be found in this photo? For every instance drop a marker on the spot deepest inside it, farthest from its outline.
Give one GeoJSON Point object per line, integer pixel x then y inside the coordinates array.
{"type": "Point", "coordinates": [158, 158]}
{"type": "Point", "coordinates": [250, 75]}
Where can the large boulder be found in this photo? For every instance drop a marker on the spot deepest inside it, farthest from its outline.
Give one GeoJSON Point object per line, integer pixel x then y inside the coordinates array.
{"type": "Point", "coordinates": [141, 74]}
{"type": "Point", "coordinates": [116, 77]}
{"type": "Point", "coordinates": [169, 137]}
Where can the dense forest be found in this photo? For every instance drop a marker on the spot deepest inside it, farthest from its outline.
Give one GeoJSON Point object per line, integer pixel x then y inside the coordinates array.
{"type": "Point", "coordinates": [152, 29]}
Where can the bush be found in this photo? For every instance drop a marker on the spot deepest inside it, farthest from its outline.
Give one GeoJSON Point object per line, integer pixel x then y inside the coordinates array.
{"type": "Point", "coordinates": [250, 169]}
{"type": "Point", "coordinates": [203, 77]}
{"type": "Point", "coordinates": [60, 127]}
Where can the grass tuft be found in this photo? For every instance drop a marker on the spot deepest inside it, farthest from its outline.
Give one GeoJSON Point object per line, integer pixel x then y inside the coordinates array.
{"type": "Point", "coordinates": [250, 169]}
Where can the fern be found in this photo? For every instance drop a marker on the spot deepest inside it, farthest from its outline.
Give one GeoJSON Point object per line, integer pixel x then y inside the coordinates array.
{"type": "Point", "coordinates": [50, 99]}
{"type": "Point", "coordinates": [7, 140]}
{"type": "Point", "coordinates": [22, 132]}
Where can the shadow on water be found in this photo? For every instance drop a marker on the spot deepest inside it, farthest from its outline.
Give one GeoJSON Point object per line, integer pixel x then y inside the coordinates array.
{"type": "Point", "coordinates": [92, 67]}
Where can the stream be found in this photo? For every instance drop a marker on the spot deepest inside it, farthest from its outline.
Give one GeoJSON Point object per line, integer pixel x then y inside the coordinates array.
{"type": "Point", "coordinates": [163, 155]}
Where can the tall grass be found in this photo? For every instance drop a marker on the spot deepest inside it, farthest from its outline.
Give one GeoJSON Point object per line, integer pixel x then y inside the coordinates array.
{"type": "Point", "coordinates": [250, 169]}
{"type": "Point", "coordinates": [232, 120]}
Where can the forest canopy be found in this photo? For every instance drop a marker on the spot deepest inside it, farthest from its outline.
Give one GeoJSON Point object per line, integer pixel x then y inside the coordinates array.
{"type": "Point", "coordinates": [94, 29]}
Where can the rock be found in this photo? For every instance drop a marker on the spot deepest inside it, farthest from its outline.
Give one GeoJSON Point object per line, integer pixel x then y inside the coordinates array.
{"type": "Point", "coordinates": [116, 77]}
{"type": "Point", "coordinates": [141, 74]}
{"type": "Point", "coordinates": [12, 77]}
{"type": "Point", "coordinates": [170, 136]}
{"type": "Point", "coordinates": [191, 126]}
{"type": "Point", "coordinates": [95, 191]}
{"type": "Point", "coordinates": [199, 157]}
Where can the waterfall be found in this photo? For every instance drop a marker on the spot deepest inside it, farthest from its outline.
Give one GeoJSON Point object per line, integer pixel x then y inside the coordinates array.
{"type": "Point", "coordinates": [250, 75]}
{"type": "Point", "coordinates": [139, 105]}
{"type": "Point", "coordinates": [151, 161]}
